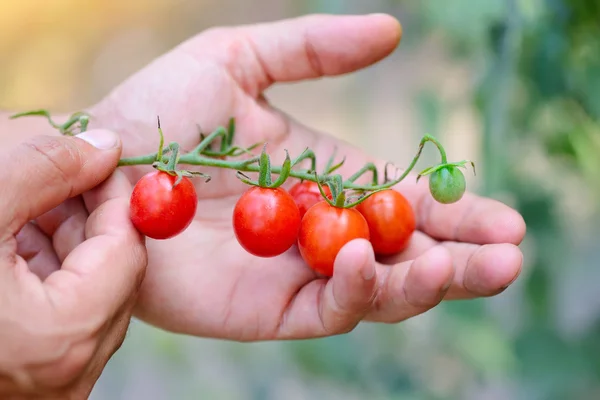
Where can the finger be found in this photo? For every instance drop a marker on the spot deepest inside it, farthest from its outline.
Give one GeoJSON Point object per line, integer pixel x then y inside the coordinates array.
{"type": "Point", "coordinates": [51, 169]}
{"type": "Point", "coordinates": [412, 287]}
{"type": "Point", "coordinates": [481, 270]}
{"type": "Point", "coordinates": [36, 249]}
{"type": "Point", "coordinates": [473, 219]}
{"type": "Point", "coordinates": [341, 302]}
{"type": "Point", "coordinates": [105, 271]}
{"type": "Point", "coordinates": [116, 187]}
{"type": "Point", "coordinates": [300, 48]}
{"type": "Point", "coordinates": [65, 224]}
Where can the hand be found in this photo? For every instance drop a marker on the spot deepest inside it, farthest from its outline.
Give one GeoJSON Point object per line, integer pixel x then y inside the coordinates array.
{"type": "Point", "coordinates": [71, 264]}
{"type": "Point", "coordinates": [202, 282]}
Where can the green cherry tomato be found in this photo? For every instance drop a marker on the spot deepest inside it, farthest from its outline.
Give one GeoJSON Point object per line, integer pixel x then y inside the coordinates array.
{"type": "Point", "coordinates": [447, 185]}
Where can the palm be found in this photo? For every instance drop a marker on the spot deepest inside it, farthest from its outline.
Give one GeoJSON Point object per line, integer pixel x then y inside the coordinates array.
{"type": "Point", "coordinates": [202, 282]}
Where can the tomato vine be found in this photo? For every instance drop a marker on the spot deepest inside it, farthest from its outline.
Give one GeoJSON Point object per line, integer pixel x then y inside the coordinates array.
{"type": "Point", "coordinates": [166, 158]}
{"type": "Point", "coordinates": [218, 150]}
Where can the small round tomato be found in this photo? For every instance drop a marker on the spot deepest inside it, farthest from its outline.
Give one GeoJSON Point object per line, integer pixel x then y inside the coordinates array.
{"type": "Point", "coordinates": [266, 221]}
{"type": "Point", "coordinates": [391, 221]}
{"type": "Point", "coordinates": [324, 230]}
{"type": "Point", "coordinates": [306, 194]}
{"type": "Point", "coordinates": [160, 209]}
{"type": "Point", "coordinates": [447, 185]}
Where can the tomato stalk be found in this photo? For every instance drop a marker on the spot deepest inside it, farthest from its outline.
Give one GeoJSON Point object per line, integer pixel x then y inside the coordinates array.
{"type": "Point", "coordinates": [204, 155]}
{"type": "Point", "coordinates": [369, 167]}
{"type": "Point", "coordinates": [170, 164]}
{"type": "Point", "coordinates": [65, 128]}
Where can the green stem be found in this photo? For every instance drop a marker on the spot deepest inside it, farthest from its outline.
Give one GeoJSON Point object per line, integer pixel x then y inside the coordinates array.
{"type": "Point", "coordinates": [439, 146]}
{"type": "Point", "coordinates": [260, 164]}
{"type": "Point", "coordinates": [368, 167]}
{"type": "Point", "coordinates": [174, 158]}
{"type": "Point", "coordinates": [307, 154]}
{"type": "Point", "coordinates": [203, 145]}
{"type": "Point", "coordinates": [250, 165]}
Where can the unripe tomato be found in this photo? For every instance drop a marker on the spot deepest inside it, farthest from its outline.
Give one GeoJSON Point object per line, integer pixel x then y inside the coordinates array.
{"type": "Point", "coordinates": [324, 230]}
{"type": "Point", "coordinates": [306, 194]}
{"type": "Point", "coordinates": [391, 221]}
{"type": "Point", "coordinates": [159, 209]}
{"type": "Point", "coordinates": [447, 185]}
{"type": "Point", "coordinates": [266, 221]}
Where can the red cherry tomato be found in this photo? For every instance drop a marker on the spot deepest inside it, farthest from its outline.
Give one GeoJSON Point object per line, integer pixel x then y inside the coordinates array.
{"type": "Point", "coordinates": [324, 230]}
{"type": "Point", "coordinates": [306, 194]}
{"type": "Point", "coordinates": [391, 221]}
{"type": "Point", "coordinates": [266, 221]}
{"type": "Point", "coordinates": [160, 210]}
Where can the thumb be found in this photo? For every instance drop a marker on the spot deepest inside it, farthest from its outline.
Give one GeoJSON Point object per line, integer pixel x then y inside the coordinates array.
{"type": "Point", "coordinates": [46, 170]}
{"type": "Point", "coordinates": [350, 293]}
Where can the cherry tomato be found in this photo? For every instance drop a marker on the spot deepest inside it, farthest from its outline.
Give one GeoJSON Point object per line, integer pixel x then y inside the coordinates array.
{"type": "Point", "coordinates": [306, 194]}
{"type": "Point", "coordinates": [159, 209]}
{"type": "Point", "coordinates": [324, 230]}
{"type": "Point", "coordinates": [266, 221]}
{"type": "Point", "coordinates": [391, 221]}
{"type": "Point", "coordinates": [447, 185]}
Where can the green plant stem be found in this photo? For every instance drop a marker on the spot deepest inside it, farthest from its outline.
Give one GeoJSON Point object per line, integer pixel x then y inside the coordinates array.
{"type": "Point", "coordinates": [250, 165]}
{"type": "Point", "coordinates": [203, 156]}
{"type": "Point", "coordinates": [439, 146]}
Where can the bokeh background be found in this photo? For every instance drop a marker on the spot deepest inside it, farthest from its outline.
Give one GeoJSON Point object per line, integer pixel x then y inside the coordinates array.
{"type": "Point", "coordinates": [511, 84]}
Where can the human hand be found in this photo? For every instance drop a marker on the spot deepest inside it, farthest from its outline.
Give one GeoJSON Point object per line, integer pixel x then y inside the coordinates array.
{"type": "Point", "coordinates": [202, 282]}
{"type": "Point", "coordinates": [70, 264]}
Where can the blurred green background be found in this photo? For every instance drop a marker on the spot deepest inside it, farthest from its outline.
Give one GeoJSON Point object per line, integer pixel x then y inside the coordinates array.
{"type": "Point", "coordinates": [511, 84]}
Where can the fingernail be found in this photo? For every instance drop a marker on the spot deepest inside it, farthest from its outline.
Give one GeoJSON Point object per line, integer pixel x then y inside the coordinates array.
{"type": "Point", "coordinates": [368, 272]}
{"type": "Point", "coordinates": [100, 139]}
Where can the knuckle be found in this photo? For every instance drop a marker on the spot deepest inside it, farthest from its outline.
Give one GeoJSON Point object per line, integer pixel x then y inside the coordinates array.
{"type": "Point", "coordinates": [59, 159]}
{"type": "Point", "coordinates": [312, 57]}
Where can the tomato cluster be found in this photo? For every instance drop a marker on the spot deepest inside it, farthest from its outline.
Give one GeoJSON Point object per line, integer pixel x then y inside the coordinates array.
{"type": "Point", "coordinates": [268, 222]}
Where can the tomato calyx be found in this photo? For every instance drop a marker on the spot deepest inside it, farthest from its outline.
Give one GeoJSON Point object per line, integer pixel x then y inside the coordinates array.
{"type": "Point", "coordinates": [168, 164]}
{"type": "Point", "coordinates": [339, 196]}
{"type": "Point", "coordinates": [265, 176]}
{"type": "Point", "coordinates": [459, 164]}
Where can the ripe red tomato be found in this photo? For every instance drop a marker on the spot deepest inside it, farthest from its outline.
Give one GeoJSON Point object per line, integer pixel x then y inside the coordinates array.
{"type": "Point", "coordinates": [324, 230]}
{"type": "Point", "coordinates": [391, 221]}
{"type": "Point", "coordinates": [266, 221]}
{"type": "Point", "coordinates": [306, 194]}
{"type": "Point", "coordinates": [160, 210]}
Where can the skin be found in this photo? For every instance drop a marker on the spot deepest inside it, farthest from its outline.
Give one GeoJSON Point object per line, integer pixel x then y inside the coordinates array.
{"type": "Point", "coordinates": [463, 250]}
{"type": "Point", "coordinates": [69, 281]}
{"type": "Point", "coordinates": [324, 231]}
{"type": "Point", "coordinates": [266, 221]}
